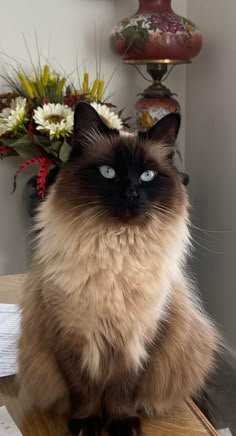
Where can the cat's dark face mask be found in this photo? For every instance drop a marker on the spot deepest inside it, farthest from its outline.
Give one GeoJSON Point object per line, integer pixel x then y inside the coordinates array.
{"type": "Point", "coordinates": [123, 174]}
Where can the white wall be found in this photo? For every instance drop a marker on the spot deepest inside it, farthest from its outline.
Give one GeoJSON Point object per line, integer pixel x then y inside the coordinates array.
{"type": "Point", "coordinates": [71, 25]}
{"type": "Point", "coordinates": [211, 156]}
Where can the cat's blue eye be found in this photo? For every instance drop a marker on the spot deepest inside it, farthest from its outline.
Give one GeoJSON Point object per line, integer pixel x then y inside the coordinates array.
{"type": "Point", "coordinates": [107, 172]}
{"type": "Point", "coordinates": [148, 176]}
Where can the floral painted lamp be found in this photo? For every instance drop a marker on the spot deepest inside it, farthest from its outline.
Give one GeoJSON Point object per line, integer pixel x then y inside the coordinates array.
{"type": "Point", "coordinates": [156, 37]}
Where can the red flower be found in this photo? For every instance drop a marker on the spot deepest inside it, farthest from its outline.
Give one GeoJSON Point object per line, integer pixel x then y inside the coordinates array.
{"type": "Point", "coordinates": [71, 100]}
{"type": "Point", "coordinates": [168, 22]}
{"type": "Point", "coordinates": [31, 128]}
{"type": "Point", "coordinates": [45, 164]}
{"type": "Point", "coordinates": [4, 149]}
{"type": "Point", "coordinates": [42, 177]}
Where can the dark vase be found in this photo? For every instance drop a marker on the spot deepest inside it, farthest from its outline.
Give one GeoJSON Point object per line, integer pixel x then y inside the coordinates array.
{"type": "Point", "coordinates": [31, 197]}
{"type": "Point", "coordinates": [156, 32]}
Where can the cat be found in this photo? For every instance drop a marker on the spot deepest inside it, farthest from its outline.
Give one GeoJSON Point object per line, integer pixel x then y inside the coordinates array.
{"type": "Point", "coordinates": [111, 329]}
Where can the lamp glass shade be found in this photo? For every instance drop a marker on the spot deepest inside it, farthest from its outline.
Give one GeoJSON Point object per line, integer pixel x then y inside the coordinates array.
{"type": "Point", "coordinates": [156, 33]}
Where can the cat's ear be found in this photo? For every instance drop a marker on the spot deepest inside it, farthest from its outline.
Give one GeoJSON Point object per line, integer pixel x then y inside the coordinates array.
{"type": "Point", "coordinates": [87, 121]}
{"type": "Point", "coordinates": [166, 130]}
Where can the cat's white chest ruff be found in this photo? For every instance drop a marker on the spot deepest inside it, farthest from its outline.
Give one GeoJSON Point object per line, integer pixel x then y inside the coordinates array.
{"type": "Point", "coordinates": [113, 304]}
{"type": "Point", "coordinates": [109, 292]}
{"type": "Point", "coordinates": [100, 353]}
{"type": "Point", "coordinates": [115, 327]}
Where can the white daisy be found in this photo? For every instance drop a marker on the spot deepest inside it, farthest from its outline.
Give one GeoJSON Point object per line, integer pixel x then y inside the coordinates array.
{"type": "Point", "coordinates": [55, 119]}
{"type": "Point", "coordinates": [3, 126]}
{"type": "Point", "coordinates": [110, 117]}
{"type": "Point", "coordinates": [14, 117]}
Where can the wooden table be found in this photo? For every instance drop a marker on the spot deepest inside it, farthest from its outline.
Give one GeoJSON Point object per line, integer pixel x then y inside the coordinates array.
{"type": "Point", "coordinates": [186, 420]}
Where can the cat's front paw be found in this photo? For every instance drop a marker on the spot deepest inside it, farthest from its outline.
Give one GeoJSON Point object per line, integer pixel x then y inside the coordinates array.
{"type": "Point", "coordinates": [91, 426]}
{"type": "Point", "coordinates": [130, 426]}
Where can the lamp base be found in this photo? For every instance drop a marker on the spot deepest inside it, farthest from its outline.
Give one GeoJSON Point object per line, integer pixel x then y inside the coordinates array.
{"type": "Point", "coordinates": [156, 61]}
{"type": "Point", "coordinates": [157, 100]}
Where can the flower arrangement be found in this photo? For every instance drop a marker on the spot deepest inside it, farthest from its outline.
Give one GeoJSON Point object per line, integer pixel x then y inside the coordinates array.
{"type": "Point", "coordinates": [36, 117]}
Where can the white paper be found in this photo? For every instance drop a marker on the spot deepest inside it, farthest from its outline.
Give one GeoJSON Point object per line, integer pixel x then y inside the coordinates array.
{"type": "Point", "coordinates": [7, 425]}
{"type": "Point", "coordinates": [225, 432]}
{"type": "Point", "coordinates": [9, 334]}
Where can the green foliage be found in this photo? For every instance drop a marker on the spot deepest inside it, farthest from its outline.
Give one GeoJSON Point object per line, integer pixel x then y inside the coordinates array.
{"type": "Point", "coordinates": [23, 146]}
{"type": "Point", "coordinates": [135, 37]}
{"type": "Point", "coordinates": [64, 151]}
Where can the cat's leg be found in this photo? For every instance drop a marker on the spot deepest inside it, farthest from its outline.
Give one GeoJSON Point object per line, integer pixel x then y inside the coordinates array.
{"type": "Point", "coordinates": [126, 426]}
{"type": "Point", "coordinates": [180, 361]}
{"type": "Point", "coordinates": [119, 408]}
{"type": "Point", "coordinates": [41, 382]}
{"type": "Point", "coordinates": [90, 426]}
{"type": "Point", "coordinates": [86, 407]}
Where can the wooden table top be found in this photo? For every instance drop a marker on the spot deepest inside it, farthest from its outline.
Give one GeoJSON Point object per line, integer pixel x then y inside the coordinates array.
{"type": "Point", "coordinates": [186, 420]}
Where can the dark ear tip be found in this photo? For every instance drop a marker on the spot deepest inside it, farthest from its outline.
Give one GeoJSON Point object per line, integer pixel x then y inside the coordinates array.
{"type": "Point", "coordinates": [169, 119]}
{"type": "Point", "coordinates": [172, 119]}
{"type": "Point", "coordinates": [174, 115]}
{"type": "Point", "coordinates": [84, 111]}
{"type": "Point", "coordinates": [83, 105]}
{"type": "Point", "coordinates": [167, 128]}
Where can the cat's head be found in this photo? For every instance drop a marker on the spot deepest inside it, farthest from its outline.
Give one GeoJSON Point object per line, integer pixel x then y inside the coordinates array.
{"type": "Point", "coordinates": [129, 178]}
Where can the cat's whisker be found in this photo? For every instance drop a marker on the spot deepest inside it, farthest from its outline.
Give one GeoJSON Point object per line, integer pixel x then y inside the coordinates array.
{"type": "Point", "coordinates": [93, 218]}
{"type": "Point", "coordinates": [87, 196]}
{"type": "Point", "coordinates": [85, 214]}
{"type": "Point", "coordinates": [84, 204]}
{"type": "Point", "coordinates": [164, 209]}
{"type": "Point", "coordinates": [210, 233]}
{"type": "Point", "coordinates": [206, 239]}
{"type": "Point", "coordinates": [207, 232]}
{"type": "Point", "coordinates": [165, 213]}
{"type": "Point", "coordinates": [170, 213]}
{"type": "Point", "coordinates": [161, 211]}
{"type": "Point", "coordinates": [160, 206]}
{"type": "Point", "coordinates": [66, 212]}
{"type": "Point", "coordinates": [150, 215]}
{"type": "Point", "coordinates": [203, 247]}
{"type": "Point", "coordinates": [78, 217]}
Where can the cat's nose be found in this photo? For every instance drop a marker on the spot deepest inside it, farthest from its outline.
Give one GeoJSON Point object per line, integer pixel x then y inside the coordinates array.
{"type": "Point", "coordinates": [131, 194]}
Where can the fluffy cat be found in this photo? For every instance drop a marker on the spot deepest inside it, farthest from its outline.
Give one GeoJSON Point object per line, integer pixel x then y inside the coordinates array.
{"type": "Point", "coordinates": [110, 327]}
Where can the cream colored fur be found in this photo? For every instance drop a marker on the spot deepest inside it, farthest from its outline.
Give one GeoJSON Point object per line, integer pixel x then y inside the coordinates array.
{"type": "Point", "coordinates": [103, 275]}
{"type": "Point", "coordinates": [107, 286]}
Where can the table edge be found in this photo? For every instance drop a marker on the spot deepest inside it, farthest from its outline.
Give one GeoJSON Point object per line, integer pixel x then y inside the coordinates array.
{"type": "Point", "coordinates": [197, 412]}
